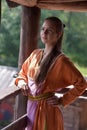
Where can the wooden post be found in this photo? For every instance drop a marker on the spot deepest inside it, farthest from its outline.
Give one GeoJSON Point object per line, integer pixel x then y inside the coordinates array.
{"type": "Point", "coordinates": [29, 32]}
{"type": "Point", "coordinates": [28, 42]}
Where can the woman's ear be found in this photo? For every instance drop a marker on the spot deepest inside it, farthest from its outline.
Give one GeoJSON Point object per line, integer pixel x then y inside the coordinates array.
{"type": "Point", "coordinates": [59, 34]}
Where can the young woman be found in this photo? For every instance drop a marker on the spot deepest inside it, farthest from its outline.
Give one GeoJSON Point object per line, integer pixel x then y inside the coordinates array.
{"type": "Point", "coordinates": [45, 73]}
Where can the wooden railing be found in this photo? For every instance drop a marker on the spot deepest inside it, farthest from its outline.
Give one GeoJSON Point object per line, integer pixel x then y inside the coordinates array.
{"type": "Point", "coordinates": [20, 123]}
{"type": "Point", "coordinates": [9, 92]}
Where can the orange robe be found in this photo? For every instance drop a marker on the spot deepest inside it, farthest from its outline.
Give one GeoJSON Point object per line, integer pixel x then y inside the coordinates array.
{"type": "Point", "coordinates": [61, 74]}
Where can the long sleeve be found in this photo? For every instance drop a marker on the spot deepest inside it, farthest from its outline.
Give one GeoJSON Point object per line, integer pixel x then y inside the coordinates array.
{"type": "Point", "coordinates": [22, 74]}
{"type": "Point", "coordinates": [28, 67]}
{"type": "Point", "coordinates": [24, 70]}
{"type": "Point", "coordinates": [73, 77]}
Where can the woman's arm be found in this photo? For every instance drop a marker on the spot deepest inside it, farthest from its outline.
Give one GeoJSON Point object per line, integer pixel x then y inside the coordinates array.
{"type": "Point", "coordinates": [70, 75]}
{"type": "Point", "coordinates": [73, 77]}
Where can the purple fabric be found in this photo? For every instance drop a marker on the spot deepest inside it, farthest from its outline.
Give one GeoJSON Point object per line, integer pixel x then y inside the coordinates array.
{"type": "Point", "coordinates": [32, 105]}
{"type": "Point", "coordinates": [31, 109]}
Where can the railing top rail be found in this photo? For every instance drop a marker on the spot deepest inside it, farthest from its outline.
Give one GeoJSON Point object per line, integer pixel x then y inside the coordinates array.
{"type": "Point", "coordinates": [13, 91]}
{"type": "Point", "coordinates": [9, 92]}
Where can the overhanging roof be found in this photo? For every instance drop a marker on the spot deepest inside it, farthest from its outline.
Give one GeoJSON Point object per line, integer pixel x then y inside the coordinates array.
{"type": "Point", "coordinates": [69, 5]}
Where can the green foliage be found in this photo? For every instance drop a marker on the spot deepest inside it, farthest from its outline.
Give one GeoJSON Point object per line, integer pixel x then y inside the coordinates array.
{"type": "Point", "coordinates": [9, 35]}
{"type": "Point", "coordinates": [74, 41]}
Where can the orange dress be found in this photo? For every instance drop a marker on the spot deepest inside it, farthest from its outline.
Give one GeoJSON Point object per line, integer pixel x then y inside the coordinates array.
{"type": "Point", "coordinates": [61, 74]}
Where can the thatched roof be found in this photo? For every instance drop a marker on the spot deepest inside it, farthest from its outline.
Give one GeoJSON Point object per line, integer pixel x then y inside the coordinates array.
{"type": "Point", "coordinates": [70, 5]}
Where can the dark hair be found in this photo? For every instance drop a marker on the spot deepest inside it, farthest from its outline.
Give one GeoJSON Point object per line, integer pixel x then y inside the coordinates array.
{"type": "Point", "coordinates": [54, 53]}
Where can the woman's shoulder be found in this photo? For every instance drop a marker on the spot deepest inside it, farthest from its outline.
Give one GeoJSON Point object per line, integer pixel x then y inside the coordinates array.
{"type": "Point", "coordinates": [63, 58]}
{"type": "Point", "coordinates": [36, 51]}
{"type": "Point", "coordinates": [66, 61]}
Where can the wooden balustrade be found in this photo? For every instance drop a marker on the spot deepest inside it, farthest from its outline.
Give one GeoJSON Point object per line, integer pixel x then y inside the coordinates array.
{"type": "Point", "coordinates": [20, 123]}
{"type": "Point", "coordinates": [8, 92]}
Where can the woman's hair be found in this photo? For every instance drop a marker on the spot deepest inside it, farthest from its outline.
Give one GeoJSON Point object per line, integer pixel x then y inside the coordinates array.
{"type": "Point", "coordinates": [54, 53]}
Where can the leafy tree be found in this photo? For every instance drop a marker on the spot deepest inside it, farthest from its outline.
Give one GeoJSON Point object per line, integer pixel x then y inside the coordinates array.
{"type": "Point", "coordinates": [74, 41]}
{"type": "Point", "coordinates": [76, 37]}
{"type": "Point", "coordinates": [9, 35]}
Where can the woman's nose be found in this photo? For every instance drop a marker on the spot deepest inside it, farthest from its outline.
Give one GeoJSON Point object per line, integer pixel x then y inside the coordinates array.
{"type": "Point", "coordinates": [45, 32]}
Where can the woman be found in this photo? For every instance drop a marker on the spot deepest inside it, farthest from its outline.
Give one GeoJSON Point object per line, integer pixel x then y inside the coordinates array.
{"type": "Point", "coordinates": [46, 72]}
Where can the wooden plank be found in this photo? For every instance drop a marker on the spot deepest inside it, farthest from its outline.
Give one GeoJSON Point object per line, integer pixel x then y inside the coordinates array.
{"type": "Point", "coordinates": [84, 95]}
{"type": "Point", "coordinates": [30, 3]}
{"type": "Point", "coordinates": [12, 4]}
{"type": "Point", "coordinates": [69, 6]}
{"type": "Point", "coordinates": [19, 124]}
{"type": "Point", "coordinates": [8, 92]}
{"type": "Point", "coordinates": [59, 1]}
{"type": "Point", "coordinates": [30, 21]}
{"type": "Point", "coordinates": [13, 91]}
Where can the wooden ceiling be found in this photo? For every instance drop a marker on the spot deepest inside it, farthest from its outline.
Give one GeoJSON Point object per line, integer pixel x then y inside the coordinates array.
{"type": "Point", "coordinates": [69, 5]}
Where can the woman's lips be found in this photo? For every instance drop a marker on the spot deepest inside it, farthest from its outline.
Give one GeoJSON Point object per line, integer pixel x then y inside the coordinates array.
{"type": "Point", "coordinates": [44, 38]}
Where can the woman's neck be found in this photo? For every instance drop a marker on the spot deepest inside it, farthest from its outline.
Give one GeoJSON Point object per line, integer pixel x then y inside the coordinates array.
{"type": "Point", "coordinates": [48, 49]}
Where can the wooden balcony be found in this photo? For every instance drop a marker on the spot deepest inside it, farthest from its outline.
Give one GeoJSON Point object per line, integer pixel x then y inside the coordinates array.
{"type": "Point", "coordinates": [20, 123]}
{"type": "Point", "coordinates": [31, 18]}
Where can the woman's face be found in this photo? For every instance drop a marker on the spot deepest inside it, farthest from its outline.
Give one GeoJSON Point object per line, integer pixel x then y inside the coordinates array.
{"type": "Point", "coordinates": [49, 34]}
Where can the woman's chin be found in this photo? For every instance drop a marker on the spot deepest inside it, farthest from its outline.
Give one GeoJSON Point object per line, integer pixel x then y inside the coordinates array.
{"type": "Point", "coordinates": [44, 41]}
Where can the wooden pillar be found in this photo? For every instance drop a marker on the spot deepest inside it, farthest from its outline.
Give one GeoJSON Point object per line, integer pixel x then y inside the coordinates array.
{"type": "Point", "coordinates": [29, 32]}
{"type": "Point", "coordinates": [28, 42]}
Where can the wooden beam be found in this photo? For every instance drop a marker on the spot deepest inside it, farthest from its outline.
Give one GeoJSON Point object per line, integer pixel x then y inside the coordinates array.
{"type": "Point", "coordinates": [14, 91]}
{"type": "Point", "coordinates": [18, 124]}
{"type": "Point", "coordinates": [58, 1]}
{"type": "Point", "coordinates": [9, 92]}
{"type": "Point", "coordinates": [30, 22]}
{"type": "Point", "coordinates": [68, 6]}
{"type": "Point", "coordinates": [30, 3]}
{"type": "Point", "coordinates": [12, 4]}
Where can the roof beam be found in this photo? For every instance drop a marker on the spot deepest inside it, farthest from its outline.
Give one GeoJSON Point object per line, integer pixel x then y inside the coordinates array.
{"type": "Point", "coordinates": [68, 5]}
{"type": "Point", "coordinates": [12, 4]}
{"type": "Point", "coordinates": [60, 1]}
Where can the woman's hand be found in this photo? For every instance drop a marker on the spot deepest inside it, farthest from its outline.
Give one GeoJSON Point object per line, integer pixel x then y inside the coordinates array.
{"type": "Point", "coordinates": [54, 100]}
{"type": "Point", "coordinates": [24, 87]}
